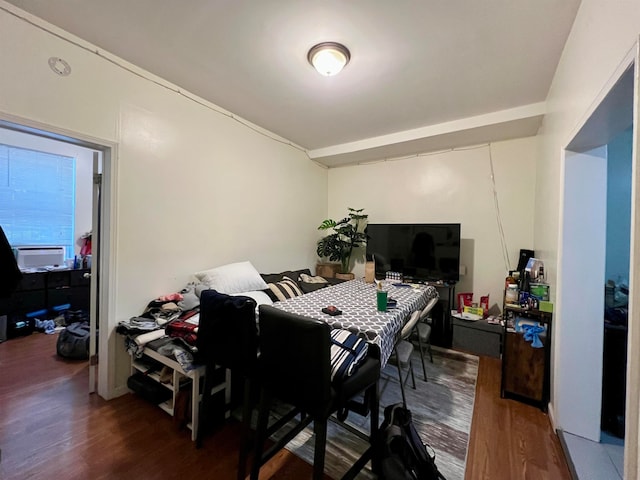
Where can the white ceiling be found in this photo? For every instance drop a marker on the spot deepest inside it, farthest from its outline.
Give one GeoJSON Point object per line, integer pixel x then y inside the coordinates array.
{"type": "Point", "coordinates": [424, 75]}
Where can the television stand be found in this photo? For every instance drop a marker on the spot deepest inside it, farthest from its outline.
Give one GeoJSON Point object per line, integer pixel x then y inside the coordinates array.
{"type": "Point", "coordinates": [441, 328]}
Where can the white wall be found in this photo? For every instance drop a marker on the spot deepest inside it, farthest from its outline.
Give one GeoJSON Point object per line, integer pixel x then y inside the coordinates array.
{"type": "Point", "coordinates": [618, 207]}
{"type": "Point", "coordinates": [603, 33]}
{"type": "Point", "coordinates": [453, 187]}
{"type": "Point", "coordinates": [84, 174]}
{"type": "Point", "coordinates": [581, 279]}
{"type": "Point", "coordinates": [195, 188]}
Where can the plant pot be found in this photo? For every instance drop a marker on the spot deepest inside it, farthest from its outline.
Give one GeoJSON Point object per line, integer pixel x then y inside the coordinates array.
{"type": "Point", "coordinates": [327, 270]}
{"type": "Point", "coordinates": [345, 276]}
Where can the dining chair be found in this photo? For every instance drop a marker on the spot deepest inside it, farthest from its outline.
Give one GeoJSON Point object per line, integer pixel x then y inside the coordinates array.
{"type": "Point", "coordinates": [422, 332]}
{"type": "Point", "coordinates": [227, 338]}
{"type": "Point", "coordinates": [296, 368]}
{"type": "Point", "coordinates": [402, 352]}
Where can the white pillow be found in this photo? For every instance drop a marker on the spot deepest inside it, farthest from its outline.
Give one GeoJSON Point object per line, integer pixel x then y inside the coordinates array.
{"type": "Point", "coordinates": [309, 279]}
{"type": "Point", "coordinates": [259, 296]}
{"type": "Point", "coordinates": [233, 278]}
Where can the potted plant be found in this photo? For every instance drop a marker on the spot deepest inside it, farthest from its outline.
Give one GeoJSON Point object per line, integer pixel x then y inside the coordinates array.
{"type": "Point", "coordinates": [347, 234]}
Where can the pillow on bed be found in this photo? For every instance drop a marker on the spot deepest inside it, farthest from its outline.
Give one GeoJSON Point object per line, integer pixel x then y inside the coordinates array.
{"type": "Point", "coordinates": [259, 296]}
{"type": "Point", "coordinates": [233, 278]}
{"type": "Point", "coordinates": [292, 274]}
{"type": "Point", "coordinates": [311, 287]}
{"type": "Point", "coordinates": [284, 289]}
{"type": "Point", "coordinates": [309, 279]}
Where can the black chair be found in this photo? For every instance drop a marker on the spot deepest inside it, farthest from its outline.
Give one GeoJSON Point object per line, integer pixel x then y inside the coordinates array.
{"type": "Point", "coordinates": [228, 338]}
{"type": "Point", "coordinates": [295, 368]}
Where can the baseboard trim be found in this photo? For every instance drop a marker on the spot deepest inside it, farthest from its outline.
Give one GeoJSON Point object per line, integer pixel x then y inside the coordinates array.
{"type": "Point", "coordinates": [552, 417]}
{"type": "Point", "coordinates": [118, 392]}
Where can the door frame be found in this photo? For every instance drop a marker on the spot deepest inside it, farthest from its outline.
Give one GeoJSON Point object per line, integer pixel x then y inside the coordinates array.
{"type": "Point", "coordinates": [632, 413]}
{"type": "Point", "coordinates": [105, 267]}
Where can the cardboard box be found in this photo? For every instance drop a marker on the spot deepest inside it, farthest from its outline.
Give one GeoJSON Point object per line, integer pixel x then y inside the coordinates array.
{"type": "Point", "coordinates": [474, 310]}
{"type": "Point", "coordinates": [544, 306]}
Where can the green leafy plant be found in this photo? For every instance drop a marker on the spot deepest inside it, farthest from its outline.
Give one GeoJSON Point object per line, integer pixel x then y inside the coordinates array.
{"type": "Point", "coordinates": [347, 235]}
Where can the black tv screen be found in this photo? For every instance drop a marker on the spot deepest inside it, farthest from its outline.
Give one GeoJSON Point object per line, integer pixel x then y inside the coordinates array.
{"type": "Point", "coordinates": [420, 251]}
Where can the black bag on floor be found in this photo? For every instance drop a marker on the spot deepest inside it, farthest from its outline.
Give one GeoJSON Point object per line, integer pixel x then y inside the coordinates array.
{"type": "Point", "coordinates": [401, 453]}
{"type": "Point", "coordinates": [73, 341]}
{"type": "Point", "coordinates": [148, 388]}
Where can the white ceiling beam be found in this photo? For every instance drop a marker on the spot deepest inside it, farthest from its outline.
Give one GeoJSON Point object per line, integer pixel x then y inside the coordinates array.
{"type": "Point", "coordinates": [502, 116]}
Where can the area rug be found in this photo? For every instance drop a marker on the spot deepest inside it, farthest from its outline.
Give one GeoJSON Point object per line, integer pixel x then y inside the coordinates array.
{"type": "Point", "coordinates": [442, 409]}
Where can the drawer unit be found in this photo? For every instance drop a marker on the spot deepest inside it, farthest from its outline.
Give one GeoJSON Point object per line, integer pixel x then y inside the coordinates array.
{"type": "Point", "coordinates": [58, 296]}
{"type": "Point", "coordinates": [46, 290]}
{"type": "Point", "coordinates": [27, 301]}
{"type": "Point", "coordinates": [79, 297]}
{"type": "Point", "coordinates": [524, 373]}
{"type": "Point", "coordinates": [479, 337]}
{"type": "Point", "coordinates": [58, 279]}
{"type": "Point", "coordinates": [32, 281]}
{"type": "Point", "coordinates": [525, 369]}
{"type": "Point", "coordinates": [80, 278]}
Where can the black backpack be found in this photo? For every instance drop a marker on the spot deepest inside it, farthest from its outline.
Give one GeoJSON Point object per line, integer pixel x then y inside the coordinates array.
{"type": "Point", "coordinates": [73, 341]}
{"type": "Point", "coordinates": [401, 453]}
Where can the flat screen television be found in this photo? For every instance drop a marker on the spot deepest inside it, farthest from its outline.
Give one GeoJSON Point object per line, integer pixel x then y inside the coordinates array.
{"type": "Point", "coordinates": [420, 251]}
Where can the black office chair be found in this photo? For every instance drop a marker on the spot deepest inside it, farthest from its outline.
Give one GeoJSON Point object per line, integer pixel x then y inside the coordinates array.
{"type": "Point", "coordinates": [228, 338]}
{"type": "Point", "coordinates": [295, 368]}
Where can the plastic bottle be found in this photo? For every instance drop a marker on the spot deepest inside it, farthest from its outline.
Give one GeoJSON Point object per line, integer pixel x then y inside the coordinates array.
{"type": "Point", "coordinates": [509, 281]}
{"type": "Point", "coordinates": [511, 294]}
{"type": "Point", "coordinates": [524, 286]}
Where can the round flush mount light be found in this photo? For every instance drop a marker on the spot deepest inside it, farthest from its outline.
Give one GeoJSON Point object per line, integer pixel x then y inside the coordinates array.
{"type": "Point", "coordinates": [328, 58]}
{"type": "Point", "coordinates": [59, 66]}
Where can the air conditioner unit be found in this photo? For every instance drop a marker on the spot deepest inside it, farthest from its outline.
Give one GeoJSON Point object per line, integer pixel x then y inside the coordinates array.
{"type": "Point", "coordinates": [39, 256]}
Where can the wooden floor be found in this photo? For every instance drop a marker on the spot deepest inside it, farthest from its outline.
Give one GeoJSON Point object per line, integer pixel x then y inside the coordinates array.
{"type": "Point", "coordinates": [510, 440]}
{"type": "Point", "coordinates": [50, 428]}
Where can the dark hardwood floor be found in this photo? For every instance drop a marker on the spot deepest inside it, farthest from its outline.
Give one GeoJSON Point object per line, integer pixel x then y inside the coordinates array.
{"type": "Point", "coordinates": [51, 428]}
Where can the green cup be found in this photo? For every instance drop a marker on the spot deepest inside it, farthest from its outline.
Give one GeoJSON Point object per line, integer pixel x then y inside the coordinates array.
{"type": "Point", "coordinates": [381, 297]}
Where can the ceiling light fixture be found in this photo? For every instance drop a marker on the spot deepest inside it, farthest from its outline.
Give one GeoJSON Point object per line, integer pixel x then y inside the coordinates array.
{"type": "Point", "coordinates": [328, 58]}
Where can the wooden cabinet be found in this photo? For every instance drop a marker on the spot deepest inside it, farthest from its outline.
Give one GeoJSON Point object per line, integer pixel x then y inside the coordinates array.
{"type": "Point", "coordinates": [525, 369]}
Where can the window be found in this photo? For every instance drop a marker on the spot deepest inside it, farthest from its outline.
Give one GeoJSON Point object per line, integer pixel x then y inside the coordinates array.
{"type": "Point", "coordinates": [37, 197]}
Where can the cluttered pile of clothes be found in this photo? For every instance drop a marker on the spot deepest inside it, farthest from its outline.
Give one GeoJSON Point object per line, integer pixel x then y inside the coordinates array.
{"type": "Point", "coordinates": [168, 324]}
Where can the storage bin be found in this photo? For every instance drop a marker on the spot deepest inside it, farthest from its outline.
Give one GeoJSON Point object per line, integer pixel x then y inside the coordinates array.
{"type": "Point", "coordinates": [540, 291]}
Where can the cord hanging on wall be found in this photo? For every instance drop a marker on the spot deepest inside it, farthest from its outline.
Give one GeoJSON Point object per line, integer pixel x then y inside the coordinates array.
{"type": "Point", "coordinates": [503, 240]}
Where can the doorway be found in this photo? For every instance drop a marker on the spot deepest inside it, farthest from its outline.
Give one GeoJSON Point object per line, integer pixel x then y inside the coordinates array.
{"type": "Point", "coordinates": [581, 284]}
{"type": "Point", "coordinates": [99, 220]}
